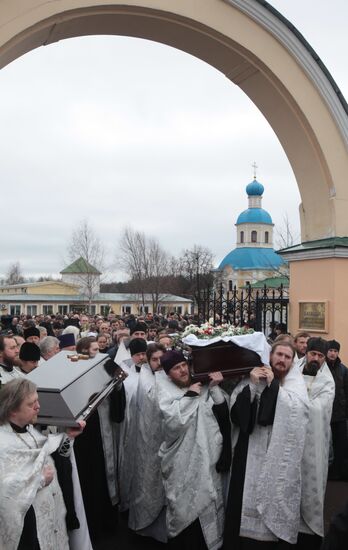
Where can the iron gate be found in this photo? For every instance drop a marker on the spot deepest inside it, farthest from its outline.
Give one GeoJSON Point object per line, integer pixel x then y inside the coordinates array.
{"type": "Point", "coordinates": [258, 308]}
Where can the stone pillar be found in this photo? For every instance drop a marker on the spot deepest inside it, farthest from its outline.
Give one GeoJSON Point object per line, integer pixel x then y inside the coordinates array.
{"type": "Point", "coordinates": [319, 289]}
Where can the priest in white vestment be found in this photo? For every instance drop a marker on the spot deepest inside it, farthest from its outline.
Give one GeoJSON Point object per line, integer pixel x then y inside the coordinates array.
{"type": "Point", "coordinates": [269, 413]}
{"type": "Point", "coordinates": [321, 393]}
{"type": "Point", "coordinates": [147, 501]}
{"type": "Point", "coordinates": [32, 510]}
{"type": "Point", "coordinates": [127, 421]}
{"type": "Point", "coordinates": [190, 452]}
{"type": "Point", "coordinates": [9, 352]}
{"type": "Point", "coordinates": [300, 343]}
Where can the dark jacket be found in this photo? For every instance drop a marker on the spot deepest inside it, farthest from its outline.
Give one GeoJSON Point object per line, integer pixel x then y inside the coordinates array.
{"type": "Point", "coordinates": [337, 537]}
{"type": "Point", "coordinates": [340, 376]}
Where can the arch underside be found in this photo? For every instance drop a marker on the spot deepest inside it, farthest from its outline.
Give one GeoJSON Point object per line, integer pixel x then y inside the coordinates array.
{"type": "Point", "coordinates": [319, 166]}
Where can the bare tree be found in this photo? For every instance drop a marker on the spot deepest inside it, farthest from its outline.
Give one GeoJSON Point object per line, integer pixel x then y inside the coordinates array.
{"type": "Point", "coordinates": [143, 259]}
{"type": "Point", "coordinates": [286, 235]}
{"type": "Point", "coordinates": [195, 266]}
{"type": "Point", "coordinates": [86, 249]}
{"type": "Point", "coordinates": [14, 274]}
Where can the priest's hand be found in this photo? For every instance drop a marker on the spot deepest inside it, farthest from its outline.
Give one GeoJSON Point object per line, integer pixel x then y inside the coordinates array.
{"type": "Point", "coordinates": [215, 379]}
{"type": "Point", "coordinates": [197, 387]}
{"type": "Point", "coordinates": [47, 475]}
{"type": "Point", "coordinates": [269, 376]}
{"type": "Point", "coordinates": [258, 374]}
{"type": "Point", "coordinates": [74, 432]}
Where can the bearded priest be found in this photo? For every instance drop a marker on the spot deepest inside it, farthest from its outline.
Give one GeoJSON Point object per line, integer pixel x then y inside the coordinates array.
{"type": "Point", "coordinates": [191, 455]}
{"type": "Point", "coordinates": [269, 413]}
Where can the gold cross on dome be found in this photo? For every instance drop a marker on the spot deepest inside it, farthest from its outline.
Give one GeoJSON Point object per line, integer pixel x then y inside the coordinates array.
{"type": "Point", "coordinates": [254, 165]}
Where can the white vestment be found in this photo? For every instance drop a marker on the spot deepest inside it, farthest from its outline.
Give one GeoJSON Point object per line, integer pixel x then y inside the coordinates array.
{"type": "Point", "coordinates": [20, 487]}
{"type": "Point", "coordinates": [109, 436]}
{"type": "Point", "coordinates": [321, 393]}
{"type": "Point", "coordinates": [7, 376]}
{"type": "Point", "coordinates": [191, 448]}
{"type": "Point", "coordinates": [126, 436]}
{"type": "Point", "coordinates": [122, 353]}
{"type": "Point", "coordinates": [147, 492]}
{"type": "Point", "coordinates": [272, 486]}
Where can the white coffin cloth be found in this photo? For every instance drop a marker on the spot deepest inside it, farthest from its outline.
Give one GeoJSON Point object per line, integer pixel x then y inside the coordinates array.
{"type": "Point", "coordinates": [190, 450]}
{"type": "Point", "coordinates": [255, 341]}
{"type": "Point", "coordinates": [20, 478]}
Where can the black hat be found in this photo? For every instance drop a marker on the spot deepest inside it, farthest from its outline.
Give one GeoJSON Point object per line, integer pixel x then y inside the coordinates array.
{"type": "Point", "coordinates": [138, 345]}
{"type": "Point", "coordinates": [170, 359]}
{"type": "Point", "coordinates": [66, 340]}
{"type": "Point", "coordinates": [31, 331]}
{"type": "Point", "coordinates": [138, 327]}
{"type": "Point", "coordinates": [333, 344]}
{"type": "Point", "coordinates": [29, 352]}
{"type": "Point", "coordinates": [317, 344]}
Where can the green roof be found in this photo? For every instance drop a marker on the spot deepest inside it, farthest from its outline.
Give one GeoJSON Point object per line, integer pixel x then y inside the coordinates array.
{"type": "Point", "coordinates": [81, 266]}
{"type": "Point", "coordinates": [271, 282]}
{"type": "Point", "coordinates": [333, 242]}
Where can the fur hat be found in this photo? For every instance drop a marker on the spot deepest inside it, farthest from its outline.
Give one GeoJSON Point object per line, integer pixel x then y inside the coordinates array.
{"type": "Point", "coordinates": [170, 359]}
{"type": "Point", "coordinates": [139, 327]}
{"type": "Point", "coordinates": [66, 340]}
{"type": "Point", "coordinates": [29, 352]}
{"type": "Point", "coordinates": [317, 344]}
{"type": "Point", "coordinates": [333, 344]}
{"type": "Point", "coordinates": [138, 345]}
{"type": "Point", "coordinates": [31, 331]}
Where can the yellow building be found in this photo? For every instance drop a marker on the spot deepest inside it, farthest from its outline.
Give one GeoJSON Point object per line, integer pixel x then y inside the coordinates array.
{"type": "Point", "coordinates": [62, 297]}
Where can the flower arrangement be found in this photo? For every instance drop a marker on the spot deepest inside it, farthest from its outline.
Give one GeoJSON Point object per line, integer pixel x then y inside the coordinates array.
{"type": "Point", "coordinates": [207, 331]}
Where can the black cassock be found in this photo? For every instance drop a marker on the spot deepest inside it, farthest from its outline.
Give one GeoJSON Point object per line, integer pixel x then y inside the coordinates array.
{"type": "Point", "coordinates": [102, 516]}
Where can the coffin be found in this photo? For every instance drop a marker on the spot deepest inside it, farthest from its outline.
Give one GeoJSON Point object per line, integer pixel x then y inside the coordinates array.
{"type": "Point", "coordinates": [234, 356]}
{"type": "Point", "coordinates": [70, 389]}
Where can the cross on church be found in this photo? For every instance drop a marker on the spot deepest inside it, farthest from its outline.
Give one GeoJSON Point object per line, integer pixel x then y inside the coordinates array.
{"type": "Point", "coordinates": [254, 165]}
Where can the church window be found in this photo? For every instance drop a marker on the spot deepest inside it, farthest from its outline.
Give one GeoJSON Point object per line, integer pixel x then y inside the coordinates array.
{"type": "Point", "coordinates": [266, 237]}
{"type": "Point", "coordinates": [230, 285]}
{"type": "Point", "coordinates": [242, 236]}
{"type": "Point", "coordinates": [254, 236]}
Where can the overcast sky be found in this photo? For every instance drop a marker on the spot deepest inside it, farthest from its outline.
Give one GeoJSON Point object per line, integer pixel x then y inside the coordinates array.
{"type": "Point", "coordinates": [129, 132]}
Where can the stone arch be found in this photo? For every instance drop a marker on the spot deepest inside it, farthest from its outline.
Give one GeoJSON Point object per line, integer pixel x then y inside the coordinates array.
{"type": "Point", "coordinates": [254, 47]}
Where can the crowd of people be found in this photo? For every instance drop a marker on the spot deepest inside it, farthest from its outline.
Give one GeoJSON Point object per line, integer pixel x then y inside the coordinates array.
{"type": "Point", "coordinates": [228, 464]}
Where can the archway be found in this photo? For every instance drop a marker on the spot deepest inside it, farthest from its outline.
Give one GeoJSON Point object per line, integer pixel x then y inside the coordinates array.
{"type": "Point", "coordinates": [256, 49]}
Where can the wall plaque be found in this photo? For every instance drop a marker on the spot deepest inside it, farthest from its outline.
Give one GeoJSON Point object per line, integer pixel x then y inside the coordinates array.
{"type": "Point", "coordinates": [313, 316]}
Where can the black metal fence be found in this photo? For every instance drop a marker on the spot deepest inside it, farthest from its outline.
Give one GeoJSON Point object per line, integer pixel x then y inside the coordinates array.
{"type": "Point", "coordinates": [260, 308]}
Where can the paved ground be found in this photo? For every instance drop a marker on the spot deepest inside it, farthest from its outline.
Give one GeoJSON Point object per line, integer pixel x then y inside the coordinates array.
{"type": "Point", "coordinates": [336, 496]}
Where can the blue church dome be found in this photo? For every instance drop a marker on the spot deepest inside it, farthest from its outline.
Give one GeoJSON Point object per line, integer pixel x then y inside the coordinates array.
{"type": "Point", "coordinates": [252, 258]}
{"type": "Point", "coordinates": [255, 188]}
{"type": "Point", "coordinates": [254, 215]}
